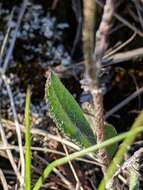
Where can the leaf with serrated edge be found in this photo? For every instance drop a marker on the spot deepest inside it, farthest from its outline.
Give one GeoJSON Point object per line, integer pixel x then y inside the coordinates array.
{"type": "Point", "coordinates": [68, 116]}
{"type": "Point", "coordinates": [66, 112]}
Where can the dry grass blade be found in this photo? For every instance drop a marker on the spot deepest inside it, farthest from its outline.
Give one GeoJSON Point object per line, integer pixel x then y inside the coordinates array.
{"type": "Point", "coordinates": [18, 131]}
{"type": "Point", "coordinates": [120, 47]}
{"type": "Point", "coordinates": [126, 56]}
{"type": "Point", "coordinates": [72, 167]}
{"type": "Point", "coordinates": [10, 50]}
{"type": "Point", "coordinates": [5, 41]}
{"type": "Point", "coordinates": [10, 156]}
{"type": "Point", "coordinates": [16, 148]}
{"type": "Point", "coordinates": [3, 180]}
{"type": "Point", "coordinates": [35, 131]}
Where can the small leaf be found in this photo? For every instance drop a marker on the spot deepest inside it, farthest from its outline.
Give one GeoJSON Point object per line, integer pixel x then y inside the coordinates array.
{"type": "Point", "coordinates": [110, 132]}
{"type": "Point", "coordinates": [66, 113]}
{"type": "Point", "coordinates": [69, 117]}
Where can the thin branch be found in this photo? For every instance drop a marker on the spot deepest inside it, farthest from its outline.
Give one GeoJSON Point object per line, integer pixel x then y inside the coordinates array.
{"type": "Point", "coordinates": [71, 166]}
{"type": "Point", "coordinates": [10, 50]}
{"type": "Point", "coordinates": [2, 71]}
{"type": "Point", "coordinates": [126, 56]}
{"type": "Point", "coordinates": [120, 47]}
{"type": "Point", "coordinates": [121, 19]}
{"type": "Point", "coordinates": [3, 180]}
{"type": "Point", "coordinates": [3, 47]}
{"type": "Point", "coordinates": [18, 131]}
{"type": "Point", "coordinates": [139, 9]}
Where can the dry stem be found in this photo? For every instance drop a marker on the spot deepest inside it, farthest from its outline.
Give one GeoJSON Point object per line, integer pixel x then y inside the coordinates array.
{"type": "Point", "coordinates": [93, 72]}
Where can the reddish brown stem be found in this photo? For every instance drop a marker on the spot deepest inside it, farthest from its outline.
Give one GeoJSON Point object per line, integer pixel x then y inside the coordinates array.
{"type": "Point", "coordinates": [94, 66]}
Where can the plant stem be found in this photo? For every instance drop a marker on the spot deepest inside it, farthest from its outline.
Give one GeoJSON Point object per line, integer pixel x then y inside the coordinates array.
{"type": "Point", "coordinates": [28, 142]}
{"type": "Point", "coordinates": [94, 68]}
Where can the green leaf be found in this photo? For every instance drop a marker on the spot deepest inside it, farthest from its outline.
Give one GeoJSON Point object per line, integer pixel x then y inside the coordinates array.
{"type": "Point", "coordinates": [110, 132]}
{"type": "Point", "coordinates": [66, 113]}
{"type": "Point", "coordinates": [69, 117]}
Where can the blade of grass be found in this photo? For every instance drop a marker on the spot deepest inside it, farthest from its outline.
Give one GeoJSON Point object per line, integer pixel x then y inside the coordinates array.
{"type": "Point", "coordinates": [122, 150]}
{"type": "Point", "coordinates": [134, 180]}
{"type": "Point", "coordinates": [81, 153]}
{"type": "Point", "coordinates": [28, 142]}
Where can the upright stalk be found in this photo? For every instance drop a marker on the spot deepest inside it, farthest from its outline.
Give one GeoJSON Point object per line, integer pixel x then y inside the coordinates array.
{"type": "Point", "coordinates": [28, 142]}
{"type": "Point", "coordinates": [93, 66]}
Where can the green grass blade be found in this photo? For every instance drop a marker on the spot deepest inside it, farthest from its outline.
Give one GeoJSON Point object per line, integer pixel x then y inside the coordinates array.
{"type": "Point", "coordinates": [27, 142]}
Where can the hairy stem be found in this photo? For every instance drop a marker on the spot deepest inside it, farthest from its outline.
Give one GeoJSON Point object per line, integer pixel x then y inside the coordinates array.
{"type": "Point", "coordinates": [93, 65]}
